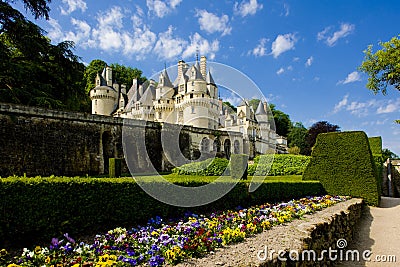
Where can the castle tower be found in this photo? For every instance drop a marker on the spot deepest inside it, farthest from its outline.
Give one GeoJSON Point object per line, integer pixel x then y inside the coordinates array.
{"type": "Point", "coordinates": [104, 96]}
{"type": "Point", "coordinates": [203, 66]}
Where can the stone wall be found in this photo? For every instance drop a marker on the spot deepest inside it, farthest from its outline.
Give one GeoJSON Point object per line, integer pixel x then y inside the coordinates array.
{"type": "Point", "coordinates": [37, 141]}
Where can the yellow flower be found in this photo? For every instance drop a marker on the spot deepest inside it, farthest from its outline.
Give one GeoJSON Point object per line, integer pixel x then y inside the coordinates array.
{"type": "Point", "coordinates": [76, 265]}
{"type": "Point", "coordinates": [3, 252]}
{"type": "Point", "coordinates": [154, 233]}
{"type": "Point", "coordinates": [38, 249]}
{"type": "Point", "coordinates": [13, 265]}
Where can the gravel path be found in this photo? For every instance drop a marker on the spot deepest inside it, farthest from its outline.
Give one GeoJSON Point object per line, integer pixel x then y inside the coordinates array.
{"type": "Point", "coordinates": [379, 232]}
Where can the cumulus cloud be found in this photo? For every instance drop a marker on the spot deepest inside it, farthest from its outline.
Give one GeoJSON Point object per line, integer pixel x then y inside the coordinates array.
{"type": "Point", "coordinates": [168, 47]}
{"type": "Point", "coordinates": [203, 46]}
{"type": "Point", "coordinates": [351, 78]}
{"type": "Point", "coordinates": [162, 8]}
{"type": "Point", "coordinates": [287, 9]}
{"type": "Point", "coordinates": [55, 33]}
{"type": "Point", "coordinates": [246, 8]}
{"type": "Point", "coordinates": [339, 106]}
{"type": "Point", "coordinates": [390, 107]}
{"type": "Point", "coordinates": [82, 33]}
{"type": "Point", "coordinates": [280, 71]}
{"type": "Point", "coordinates": [332, 38]}
{"type": "Point", "coordinates": [211, 23]}
{"type": "Point", "coordinates": [140, 43]}
{"type": "Point", "coordinates": [282, 44]}
{"type": "Point", "coordinates": [72, 5]}
{"type": "Point", "coordinates": [260, 49]}
{"type": "Point", "coordinates": [309, 61]}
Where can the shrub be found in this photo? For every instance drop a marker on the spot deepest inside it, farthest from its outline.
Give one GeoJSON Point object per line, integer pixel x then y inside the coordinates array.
{"type": "Point", "coordinates": [37, 209]}
{"type": "Point", "coordinates": [239, 166]}
{"type": "Point", "coordinates": [343, 163]}
{"type": "Point", "coordinates": [283, 164]}
{"type": "Point", "coordinates": [375, 143]}
{"type": "Point", "coordinates": [114, 169]}
{"type": "Point", "coordinates": [212, 167]}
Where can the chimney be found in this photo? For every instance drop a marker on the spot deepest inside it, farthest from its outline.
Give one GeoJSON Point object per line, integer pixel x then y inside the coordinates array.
{"type": "Point", "coordinates": [109, 76]}
{"type": "Point", "coordinates": [266, 108]}
{"type": "Point", "coordinates": [181, 63]}
{"type": "Point", "coordinates": [203, 66]}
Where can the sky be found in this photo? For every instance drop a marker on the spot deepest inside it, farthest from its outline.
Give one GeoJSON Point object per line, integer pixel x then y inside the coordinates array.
{"type": "Point", "coordinates": [302, 55]}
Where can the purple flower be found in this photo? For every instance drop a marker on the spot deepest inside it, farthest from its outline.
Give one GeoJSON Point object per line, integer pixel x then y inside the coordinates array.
{"type": "Point", "coordinates": [54, 243]}
{"type": "Point", "coordinates": [69, 238]}
{"type": "Point", "coordinates": [156, 261]}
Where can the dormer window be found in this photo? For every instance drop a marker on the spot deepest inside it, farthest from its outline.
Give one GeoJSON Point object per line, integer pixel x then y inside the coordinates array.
{"type": "Point", "coordinates": [193, 74]}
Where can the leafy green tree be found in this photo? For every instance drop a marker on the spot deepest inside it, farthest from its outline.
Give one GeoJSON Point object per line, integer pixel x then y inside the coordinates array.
{"type": "Point", "coordinates": [317, 128]}
{"type": "Point", "coordinates": [89, 76]}
{"type": "Point", "coordinates": [295, 150]}
{"type": "Point", "coordinates": [297, 137]}
{"type": "Point", "coordinates": [32, 70]}
{"type": "Point", "coordinates": [282, 121]}
{"type": "Point", "coordinates": [383, 66]}
{"type": "Point", "coordinates": [125, 75]}
{"type": "Point", "coordinates": [387, 154]}
{"type": "Point", "coordinates": [254, 103]}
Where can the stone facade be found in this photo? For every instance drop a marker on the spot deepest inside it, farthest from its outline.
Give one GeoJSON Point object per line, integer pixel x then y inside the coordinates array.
{"type": "Point", "coordinates": [37, 141]}
{"type": "Point", "coordinates": [191, 100]}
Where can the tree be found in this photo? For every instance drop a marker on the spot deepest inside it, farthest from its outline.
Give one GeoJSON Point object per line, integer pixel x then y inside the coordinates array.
{"type": "Point", "coordinates": [230, 106]}
{"type": "Point", "coordinates": [38, 8]}
{"type": "Point", "coordinates": [383, 66]}
{"type": "Point", "coordinates": [282, 121]}
{"type": "Point", "coordinates": [297, 138]}
{"type": "Point", "coordinates": [387, 154]}
{"type": "Point", "coordinates": [32, 70]}
{"type": "Point", "coordinates": [317, 128]}
{"type": "Point", "coordinates": [89, 76]}
{"type": "Point", "coordinates": [125, 75]}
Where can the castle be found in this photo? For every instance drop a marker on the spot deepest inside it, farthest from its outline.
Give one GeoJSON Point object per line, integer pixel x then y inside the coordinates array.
{"type": "Point", "coordinates": [192, 99]}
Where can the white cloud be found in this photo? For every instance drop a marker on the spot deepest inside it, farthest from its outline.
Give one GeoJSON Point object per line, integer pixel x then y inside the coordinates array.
{"type": "Point", "coordinates": [82, 33]}
{"type": "Point", "coordinates": [280, 71]}
{"type": "Point", "coordinates": [309, 61]}
{"type": "Point", "coordinates": [140, 43]}
{"type": "Point", "coordinates": [287, 9]}
{"type": "Point", "coordinates": [211, 23]}
{"type": "Point", "coordinates": [204, 47]}
{"type": "Point", "coordinates": [345, 30]}
{"type": "Point", "coordinates": [55, 33]}
{"type": "Point", "coordinates": [260, 49]}
{"type": "Point", "coordinates": [341, 104]}
{"type": "Point", "coordinates": [351, 78]}
{"type": "Point", "coordinates": [246, 8]}
{"type": "Point", "coordinates": [289, 68]}
{"type": "Point", "coordinates": [390, 107]}
{"type": "Point", "coordinates": [282, 44]}
{"type": "Point", "coordinates": [168, 47]}
{"type": "Point", "coordinates": [73, 5]}
{"type": "Point", "coordinates": [162, 8]}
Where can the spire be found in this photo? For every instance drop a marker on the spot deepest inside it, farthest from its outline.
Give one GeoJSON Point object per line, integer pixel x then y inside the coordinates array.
{"type": "Point", "coordinates": [164, 79]}
{"type": "Point", "coordinates": [209, 78]}
{"type": "Point", "coordinates": [260, 109]}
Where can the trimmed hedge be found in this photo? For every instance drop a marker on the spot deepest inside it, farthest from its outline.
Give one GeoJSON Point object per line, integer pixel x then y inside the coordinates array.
{"type": "Point", "coordinates": [343, 163]}
{"type": "Point", "coordinates": [375, 143]}
{"type": "Point", "coordinates": [239, 166]}
{"type": "Point", "coordinates": [37, 209]}
{"type": "Point", "coordinates": [210, 167]}
{"type": "Point", "coordinates": [114, 169]}
{"type": "Point", "coordinates": [283, 164]}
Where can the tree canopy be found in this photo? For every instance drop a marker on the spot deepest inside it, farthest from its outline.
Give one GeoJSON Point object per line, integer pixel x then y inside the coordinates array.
{"type": "Point", "coordinates": [297, 138]}
{"type": "Point", "coordinates": [317, 128]}
{"type": "Point", "coordinates": [383, 66]}
{"type": "Point", "coordinates": [32, 70]}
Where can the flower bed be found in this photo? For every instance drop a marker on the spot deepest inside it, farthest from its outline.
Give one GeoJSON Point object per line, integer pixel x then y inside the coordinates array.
{"type": "Point", "coordinates": [162, 242]}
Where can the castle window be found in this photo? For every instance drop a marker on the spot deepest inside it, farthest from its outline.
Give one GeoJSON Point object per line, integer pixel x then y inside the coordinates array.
{"type": "Point", "coordinates": [108, 91]}
{"type": "Point", "coordinates": [159, 115]}
{"type": "Point", "coordinates": [202, 95]}
{"type": "Point", "coordinates": [205, 145]}
{"type": "Point", "coordinates": [192, 84]}
{"type": "Point", "coordinates": [94, 91]}
{"type": "Point", "coordinates": [95, 102]}
{"type": "Point", "coordinates": [167, 101]}
{"type": "Point", "coordinates": [193, 110]}
{"type": "Point", "coordinates": [191, 95]}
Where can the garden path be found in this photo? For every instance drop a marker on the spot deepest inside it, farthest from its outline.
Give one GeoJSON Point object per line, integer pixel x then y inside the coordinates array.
{"type": "Point", "coordinates": [379, 232]}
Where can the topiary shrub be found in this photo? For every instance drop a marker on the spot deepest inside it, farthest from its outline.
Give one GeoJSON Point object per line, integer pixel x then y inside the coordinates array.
{"type": "Point", "coordinates": [343, 163]}
{"type": "Point", "coordinates": [239, 166]}
{"type": "Point", "coordinates": [209, 167]}
{"type": "Point", "coordinates": [375, 143]}
{"type": "Point", "coordinates": [282, 164]}
{"type": "Point", "coordinates": [114, 169]}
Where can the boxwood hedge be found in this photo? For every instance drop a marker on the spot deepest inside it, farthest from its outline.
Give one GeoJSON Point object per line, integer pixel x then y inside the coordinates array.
{"type": "Point", "coordinates": [34, 210]}
{"type": "Point", "coordinates": [375, 144]}
{"type": "Point", "coordinates": [343, 163]}
{"type": "Point", "coordinates": [283, 164]}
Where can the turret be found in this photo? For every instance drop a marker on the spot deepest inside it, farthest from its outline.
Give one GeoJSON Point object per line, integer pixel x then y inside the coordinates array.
{"type": "Point", "coordinates": [203, 66]}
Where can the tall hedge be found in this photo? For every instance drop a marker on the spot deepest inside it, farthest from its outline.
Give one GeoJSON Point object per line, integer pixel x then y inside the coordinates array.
{"type": "Point", "coordinates": [282, 164]}
{"type": "Point", "coordinates": [239, 166]}
{"type": "Point", "coordinates": [375, 144]}
{"type": "Point", "coordinates": [37, 209]}
{"type": "Point", "coordinates": [343, 163]}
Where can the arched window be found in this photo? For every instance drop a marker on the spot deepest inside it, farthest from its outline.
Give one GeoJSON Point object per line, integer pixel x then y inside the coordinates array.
{"type": "Point", "coordinates": [217, 145]}
{"type": "Point", "coordinates": [227, 148]}
{"type": "Point", "coordinates": [205, 145]}
{"type": "Point", "coordinates": [236, 147]}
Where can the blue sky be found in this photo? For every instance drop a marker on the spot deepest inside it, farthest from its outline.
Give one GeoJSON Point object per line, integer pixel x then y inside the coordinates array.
{"type": "Point", "coordinates": [303, 55]}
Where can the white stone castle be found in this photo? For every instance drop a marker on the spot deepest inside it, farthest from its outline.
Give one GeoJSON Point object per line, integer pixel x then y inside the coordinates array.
{"type": "Point", "coordinates": [192, 99]}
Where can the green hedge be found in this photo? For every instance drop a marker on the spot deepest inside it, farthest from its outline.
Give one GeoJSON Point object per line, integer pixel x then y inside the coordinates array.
{"type": "Point", "coordinates": [34, 210]}
{"type": "Point", "coordinates": [239, 166]}
{"type": "Point", "coordinates": [375, 144]}
{"type": "Point", "coordinates": [283, 164]}
{"type": "Point", "coordinates": [211, 167]}
{"type": "Point", "coordinates": [343, 163]}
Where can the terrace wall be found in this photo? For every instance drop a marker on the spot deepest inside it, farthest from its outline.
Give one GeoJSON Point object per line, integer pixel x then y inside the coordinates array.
{"type": "Point", "coordinates": [36, 141]}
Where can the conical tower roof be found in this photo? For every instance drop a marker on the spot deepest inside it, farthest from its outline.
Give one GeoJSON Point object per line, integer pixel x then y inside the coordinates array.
{"type": "Point", "coordinates": [209, 78]}
{"type": "Point", "coordinates": [260, 109]}
{"type": "Point", "coordinates": [167, 82]}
